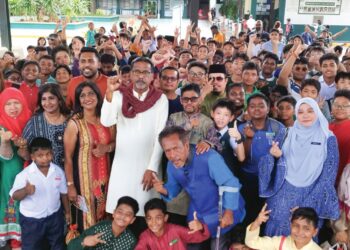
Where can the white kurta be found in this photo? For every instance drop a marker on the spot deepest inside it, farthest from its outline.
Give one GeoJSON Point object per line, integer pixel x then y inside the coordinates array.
{"type": "Point", "coordinates": [137, 149]}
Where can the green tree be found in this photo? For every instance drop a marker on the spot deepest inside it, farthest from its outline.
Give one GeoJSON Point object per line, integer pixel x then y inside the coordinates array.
{"type": "Point", "coordinates": [229, 9]}
{"type": "Point", "coordinates": [50, 8]}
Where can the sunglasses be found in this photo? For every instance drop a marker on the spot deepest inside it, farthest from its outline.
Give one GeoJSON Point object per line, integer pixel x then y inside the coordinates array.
{"type": "Point", "coordinates": [217, 78]}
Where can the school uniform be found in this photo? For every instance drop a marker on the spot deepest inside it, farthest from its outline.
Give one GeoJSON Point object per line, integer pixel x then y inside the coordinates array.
{"type": "Point", "coordinates": [253, 240]}
{"type": "Point", "coordinates": [229, 147]}
{"type": "Point", "coordinates": [40, 213]}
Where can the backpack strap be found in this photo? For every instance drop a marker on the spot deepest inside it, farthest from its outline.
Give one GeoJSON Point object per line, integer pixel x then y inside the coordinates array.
{"type": "Point", "coordinates": [283, 238]}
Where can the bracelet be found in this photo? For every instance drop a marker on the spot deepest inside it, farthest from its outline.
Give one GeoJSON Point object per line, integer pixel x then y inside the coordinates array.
{"type": "Point", "coordinates": [70, 183]}
{"type": "Point", "coordinates": [239, 141]}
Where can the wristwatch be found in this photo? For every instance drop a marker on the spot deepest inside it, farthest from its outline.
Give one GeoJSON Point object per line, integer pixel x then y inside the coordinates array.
{"type": "Point", "coordinates": [70, 183]}
{"type": "Point", "coordinates": [239, 141]}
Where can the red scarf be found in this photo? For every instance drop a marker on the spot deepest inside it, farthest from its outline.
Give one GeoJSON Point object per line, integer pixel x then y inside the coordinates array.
{"type": "Point", "coordinates": [17, 124]}
{"type": "Point", "coordinates": [132, 106]}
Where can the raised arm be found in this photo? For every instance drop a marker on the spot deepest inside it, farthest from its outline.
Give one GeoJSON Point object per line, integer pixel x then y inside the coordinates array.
{"type": "Point", "coordinates": [336, 35]}
{"type": "Point", "coordinates": [287, 67]}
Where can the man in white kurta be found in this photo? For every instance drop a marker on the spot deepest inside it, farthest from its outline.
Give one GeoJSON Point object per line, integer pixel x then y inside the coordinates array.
{"type": "Point", "coordinates": [138, 152]}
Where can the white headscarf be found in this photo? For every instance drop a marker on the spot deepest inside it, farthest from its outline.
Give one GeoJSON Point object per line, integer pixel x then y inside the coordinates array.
{"type": "Point", "coordinates": [305, 148]}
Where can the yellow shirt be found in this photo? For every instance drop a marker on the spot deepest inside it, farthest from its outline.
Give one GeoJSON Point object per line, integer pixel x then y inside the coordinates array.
{"type": "Point", "coordinates": [253, 240]}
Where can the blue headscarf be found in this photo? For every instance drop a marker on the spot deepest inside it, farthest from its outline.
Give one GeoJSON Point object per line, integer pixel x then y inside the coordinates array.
{"type": "Point", "coordinates": [305, 148]}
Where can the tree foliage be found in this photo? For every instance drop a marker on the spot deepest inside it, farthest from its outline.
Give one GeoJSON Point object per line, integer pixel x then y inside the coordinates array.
{"type": "Point", "coordinates": [48, 9]}
{"type": "Point", "coordinates": [229, 9]}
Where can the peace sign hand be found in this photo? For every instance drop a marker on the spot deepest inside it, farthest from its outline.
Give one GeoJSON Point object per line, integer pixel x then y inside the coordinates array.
{"type": "Point", "coordinates": [93, 240]}
{"type": "Point", "coordinates": [275, 151]}
{"type": "Point", "coordinates": [263, 215]}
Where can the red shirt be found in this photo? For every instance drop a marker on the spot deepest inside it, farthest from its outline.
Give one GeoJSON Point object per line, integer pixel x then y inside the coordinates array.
{"type": "Point", "coordinates": [30, 94]}
{"type": "Point", "coordinates": [101, 82]}
{"type": "Point", "coordinates": [341, 131]}
{"type": "Point", "coordinates": [174, 238]}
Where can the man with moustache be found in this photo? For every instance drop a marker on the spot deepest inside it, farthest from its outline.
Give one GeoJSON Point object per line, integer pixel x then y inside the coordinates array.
{"type": "Point", "coordinates": [217, 76]}
{"type": "Point", "coordinates": [140, 112]}
{"type": "Point", "coordinates": [89, 63]}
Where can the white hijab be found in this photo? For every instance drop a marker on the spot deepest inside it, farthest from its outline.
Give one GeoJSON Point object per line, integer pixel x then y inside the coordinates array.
{"type": "Point", "coordinates": [305, 148]}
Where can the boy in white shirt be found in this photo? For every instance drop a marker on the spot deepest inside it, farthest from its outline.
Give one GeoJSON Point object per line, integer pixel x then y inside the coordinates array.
{"type": "Point", "coordinates": [40, 187]}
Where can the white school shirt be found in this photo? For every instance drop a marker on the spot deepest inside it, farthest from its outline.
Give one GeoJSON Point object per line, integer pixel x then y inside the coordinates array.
{"type": "Point", "coordinates": [327, 91]}
{"type": "Point", "coordinates": [46, 199]}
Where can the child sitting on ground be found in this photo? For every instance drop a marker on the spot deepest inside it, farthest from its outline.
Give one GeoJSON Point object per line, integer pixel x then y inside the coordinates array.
{"type": "Point", "coordinates": [40, 187]}
{"type": "Point", "coordinates": [163, 235]}
{"type": "Point", "coordinates": [303, 228]}
{"type": "Point", "coordinates": [111, 235]}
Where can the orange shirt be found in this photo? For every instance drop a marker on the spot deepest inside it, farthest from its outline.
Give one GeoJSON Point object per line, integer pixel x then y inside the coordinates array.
{"type": "Point", "coordinates": [101, 82]}
{"type": "Point", "coordinates": [219, 38]}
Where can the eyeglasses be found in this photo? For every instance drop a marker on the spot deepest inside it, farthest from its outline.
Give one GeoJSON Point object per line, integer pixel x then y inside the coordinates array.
{"type": "Point", "coordinates": [340, 107]}
{"type": "Point", "coordinates": [216, 78]}
{"type": "Point", "coordinates": [194, 74]}
{"type": "Point", "coordinates": [139, 72]}
{"type": "Point", "coordinates": [166, 78]}
{"type": "Point", "coordinates": [301, 68]}
{"type": "Point", "coordinates": [192, 99]}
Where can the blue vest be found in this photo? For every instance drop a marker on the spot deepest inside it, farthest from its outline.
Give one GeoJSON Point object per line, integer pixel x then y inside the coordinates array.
{"type": "Point", "coordinates": [203, 191]}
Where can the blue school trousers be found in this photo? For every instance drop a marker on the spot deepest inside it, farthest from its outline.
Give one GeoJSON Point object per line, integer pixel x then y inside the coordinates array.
{"type": "Point", "coordinates": [35, 231]}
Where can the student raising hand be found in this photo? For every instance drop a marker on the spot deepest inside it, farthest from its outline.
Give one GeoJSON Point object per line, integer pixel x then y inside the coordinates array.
{"type": "Point", "coordinates": [194, 225]}
{"type": "Point", "coordinates": [262, 218]}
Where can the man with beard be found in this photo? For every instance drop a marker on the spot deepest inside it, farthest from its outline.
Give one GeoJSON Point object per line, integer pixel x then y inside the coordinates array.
{"type": "Point", "coordinates": [89, 62]}
{"type": "Point", "coordinates": [298, 67]}
{"type": "Point", "coordinates": [259, 30]}
{"type": "Point", "coordinates": [140, 112]}
{"type": "Point", "coordinates": [217, 76]}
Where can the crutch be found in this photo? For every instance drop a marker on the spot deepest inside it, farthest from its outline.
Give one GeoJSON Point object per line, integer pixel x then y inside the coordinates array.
{"type": "Point", "coordinates": [222, 190]}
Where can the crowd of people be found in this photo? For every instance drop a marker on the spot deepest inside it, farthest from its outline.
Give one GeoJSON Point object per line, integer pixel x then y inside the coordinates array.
{"type": "Point", "coordinates": [129, 139]}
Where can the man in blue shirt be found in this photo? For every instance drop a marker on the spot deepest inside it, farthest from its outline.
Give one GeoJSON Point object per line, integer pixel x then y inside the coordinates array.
{"type": "Point", "coordinates": [201, 175]}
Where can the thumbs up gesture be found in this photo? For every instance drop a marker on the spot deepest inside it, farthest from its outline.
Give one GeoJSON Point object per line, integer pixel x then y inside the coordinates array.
{"type": "Point", "coordinates": [194, 225]}
{"type": "Point", "coordinates": [234, 133]}
{"type": "Point", "coordinates": [30, 189]}
{"type": "Point", "coordinates": [275, 151]}
{"type": "Point", "coordinates": [158, 185]}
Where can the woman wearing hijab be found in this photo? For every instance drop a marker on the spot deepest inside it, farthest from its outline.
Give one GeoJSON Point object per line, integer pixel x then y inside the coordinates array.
{"type": "Point", "coordinates": [302, 173]}
{"type": "Point", "coordinates": [14, 114]}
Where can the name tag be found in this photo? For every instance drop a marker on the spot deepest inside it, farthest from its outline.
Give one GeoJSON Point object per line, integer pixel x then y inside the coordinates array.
{"type": "Point", "coordinates": [315, 143]}
{"type": "Point", "coordinates": [58, 178]}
